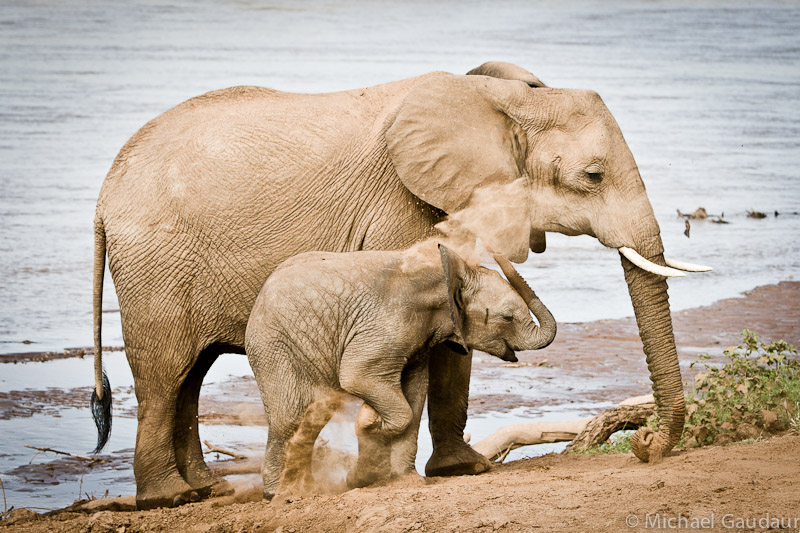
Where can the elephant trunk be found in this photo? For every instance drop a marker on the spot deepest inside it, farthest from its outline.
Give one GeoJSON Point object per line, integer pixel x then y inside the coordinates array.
{"type": "Point", "coordinates": [538, 336]}
{"type": "Point", "coordinates": [650, 300]}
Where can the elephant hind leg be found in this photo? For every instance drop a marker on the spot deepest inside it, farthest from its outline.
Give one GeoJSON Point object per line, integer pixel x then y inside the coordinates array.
{"type": "Point", "coordinates": [158, 481]}
{"type": "Point", "coordinates": [188, 451]}
{"type": "Point", "coordinates": [274, 459]}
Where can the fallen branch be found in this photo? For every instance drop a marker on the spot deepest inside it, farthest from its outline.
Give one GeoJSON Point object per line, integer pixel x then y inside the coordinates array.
{"type": "Point", "coordinates": [120, 503]}
{"type": "Point", "coordinates": [217, 449]}
{"type": "Point", "coordinates": [520, 364]}
{"type": "Point", "coordinates": [583, 432]}
{"type": "Point", "coordinates": [627, 415]}
{"type": "Point", "coordinates": [527, 433]}
{"type": "Point", "coordinates": [82, 457]}
{"type": "Point", "coordinates": [251, 465]}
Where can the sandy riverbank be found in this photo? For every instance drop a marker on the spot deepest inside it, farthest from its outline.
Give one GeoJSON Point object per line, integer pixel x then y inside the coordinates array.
{"type": "Point", "coordinates": [721, 485]}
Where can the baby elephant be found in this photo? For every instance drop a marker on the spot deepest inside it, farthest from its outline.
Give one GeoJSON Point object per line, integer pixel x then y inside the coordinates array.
{"type": "Point", "coordinates": [364, 323]}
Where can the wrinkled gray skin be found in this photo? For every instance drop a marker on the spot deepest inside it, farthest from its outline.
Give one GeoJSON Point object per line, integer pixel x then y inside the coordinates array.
{"type": "Point", "coordinates": [207, 199]}
{"type": "Point", "coordinates": [364, 323]}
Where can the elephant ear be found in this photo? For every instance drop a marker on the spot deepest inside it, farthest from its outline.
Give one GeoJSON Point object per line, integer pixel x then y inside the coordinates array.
{"type": "Point", "coordinates": [452, 137]}
{"type": "Point", "coordinates": [506, 71]}
{"type": "Point", "coordinates": [454, 272]}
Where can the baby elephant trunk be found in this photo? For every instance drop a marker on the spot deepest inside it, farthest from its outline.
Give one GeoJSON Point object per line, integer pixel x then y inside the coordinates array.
{"type": "Point", "coordinates": [539, 336]}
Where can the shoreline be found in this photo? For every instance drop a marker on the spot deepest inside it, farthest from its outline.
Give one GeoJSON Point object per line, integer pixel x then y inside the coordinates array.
{"type": "Point", "coordinates": [589, 364]}
{"type": "Point", "coordinates": [40, 357]}
{"type": "Point", "coordinates": [589, 367]}
{"type": "Point", "coordinates": [611, 492]}
{"type": "Point", "coordinates": [682, 323]}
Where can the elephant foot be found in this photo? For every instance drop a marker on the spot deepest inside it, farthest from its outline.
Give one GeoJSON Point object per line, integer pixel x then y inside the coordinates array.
{"type": "Point", "coordinates": [189, 496]}
{"type": "Point", "coordinates": [171, 494]}
{"type": "Point", "coordinates": [361, 477]}
{"type": "Point", "coordinates": [218, 488]}
{"type": "Point", "coordinates": [459, 460]}
{"type": "Point", "coordinates": [206, 483]}
{"type": "Point", "coordinates": [222, 488]}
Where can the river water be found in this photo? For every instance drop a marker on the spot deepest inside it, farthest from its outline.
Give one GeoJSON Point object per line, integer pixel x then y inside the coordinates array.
{"type": "Point", "coordinates": [705, 92]}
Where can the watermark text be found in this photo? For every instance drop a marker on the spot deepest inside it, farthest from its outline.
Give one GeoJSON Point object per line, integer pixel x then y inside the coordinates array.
{"type": "Point", "coordinates": [711, 521]}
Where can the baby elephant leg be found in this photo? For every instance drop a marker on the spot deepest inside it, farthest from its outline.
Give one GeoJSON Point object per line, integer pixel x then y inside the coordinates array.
{"type": "Point", "coordinates": [374, 450]}
{"type": "Point", "coordinates": [386, 413]}
{"type": "Point", "coordinates": [285, 408]}
{"type": "Point", "coordinates": [376, 380]}
{"type": "Point", "coordinates": [381, 456]}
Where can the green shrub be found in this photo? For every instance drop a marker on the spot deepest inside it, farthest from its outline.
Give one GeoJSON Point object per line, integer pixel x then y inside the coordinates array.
{"type": "Point", "coordinates": [619, 442]}
{"type": "Point", "coordinates": [756, 392]}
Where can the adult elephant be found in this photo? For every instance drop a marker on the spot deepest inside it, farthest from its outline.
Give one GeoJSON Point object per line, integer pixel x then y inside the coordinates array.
{"type": "Point", "coordinates": [207, 199]}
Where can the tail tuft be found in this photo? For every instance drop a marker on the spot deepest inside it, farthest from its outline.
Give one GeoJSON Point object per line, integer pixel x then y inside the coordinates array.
{"type": "Point", "coordinates": [101, 412]}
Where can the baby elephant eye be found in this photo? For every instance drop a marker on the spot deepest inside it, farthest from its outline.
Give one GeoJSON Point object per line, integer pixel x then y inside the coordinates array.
{"type": "Point", "coordinates": [508, 317]}
{"type": "Point", "coordinates": [595, 177]}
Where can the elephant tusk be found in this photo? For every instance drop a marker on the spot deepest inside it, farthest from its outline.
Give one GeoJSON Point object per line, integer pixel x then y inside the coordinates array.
{"type": "Point", "coordinates": [644, 264]}
{"type": "Point", "coordinates": [688, 267]}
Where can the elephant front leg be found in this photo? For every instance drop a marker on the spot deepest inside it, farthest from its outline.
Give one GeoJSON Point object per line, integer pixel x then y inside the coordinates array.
{"type": "Point", "coordinates": [448, 394]}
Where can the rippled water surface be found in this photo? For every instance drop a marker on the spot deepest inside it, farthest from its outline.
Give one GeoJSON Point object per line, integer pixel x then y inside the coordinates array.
{"type": "Point", "coordinates": [706, 94]}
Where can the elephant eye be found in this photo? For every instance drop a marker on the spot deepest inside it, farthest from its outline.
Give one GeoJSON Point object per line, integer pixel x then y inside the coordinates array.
{"type": "Point", "coordinates": [595, 177]}
{"type": "Point", "coordinates": [508, 317]}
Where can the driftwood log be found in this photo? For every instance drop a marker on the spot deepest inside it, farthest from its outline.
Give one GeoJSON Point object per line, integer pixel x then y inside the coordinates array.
{"type": "Point", "coordinates": [584, 433]}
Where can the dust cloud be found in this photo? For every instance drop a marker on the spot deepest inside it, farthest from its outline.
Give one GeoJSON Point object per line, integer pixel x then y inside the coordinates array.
{"type": "Point", "coordinates": [496, 217]}
{"type": "Point", "coordinates": [319, 469]}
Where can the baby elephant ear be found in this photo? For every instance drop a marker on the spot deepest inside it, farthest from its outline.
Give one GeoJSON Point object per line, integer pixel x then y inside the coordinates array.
{"type": "Point", "coordinates": [506, 71]}
{"type": "Point", "coordinates": [454, 271]}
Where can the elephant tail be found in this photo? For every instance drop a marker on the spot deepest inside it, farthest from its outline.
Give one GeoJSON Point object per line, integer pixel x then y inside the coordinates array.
{"type": "Point", "coordinates": [101, 396]}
